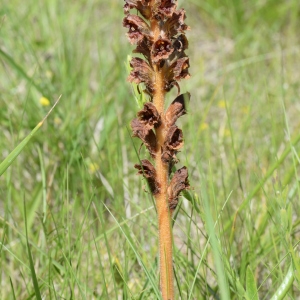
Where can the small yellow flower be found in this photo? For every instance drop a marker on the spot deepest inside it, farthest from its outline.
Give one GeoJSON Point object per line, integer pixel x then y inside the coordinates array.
{"type": "Point", "coordinates": [222, 104]}
{"type": "Point", "coordinates": [93, 167]}
{"type": "Point", "coordinates": [44, 101]}
{"type": "Point", "coordinates": [227, 132]}
{"type": "Point", "coordinates": [245, 110]}
{"type": "Point", "coordinates": [57, 121]}
{"type": "Point", "coordinates": [49, 74]}
{"type": "Point", "coordinates": [203, 126]}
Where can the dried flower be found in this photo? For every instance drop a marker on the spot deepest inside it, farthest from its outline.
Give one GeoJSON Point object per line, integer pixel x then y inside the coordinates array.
{"type": "Point", "coordinates": [146, 134]}
{"type": "Point", "coordinates": [148, 171]}
{"type": "Point", "coordinates": [149, 115]}
{"type": "Point", "coordinates": [138, 28]}
{"type": "Point", "coordinates": [177, 109]}
{"type": "Point", "coordinates": [178, 183]}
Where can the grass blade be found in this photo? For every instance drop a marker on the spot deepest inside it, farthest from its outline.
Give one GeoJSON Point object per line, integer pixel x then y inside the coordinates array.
{"type": "Point", "coordinates": [33, 274]}
{"type": "Point", "coordinates": [10, 60]}
{"type": "Point", "coordinates": [12, 289]}
{"type": "Point", "coordinates": [251, 288]}
{"type": "Point", "coordinates": [14, 154]}
{"type": "Point", "coordinates": [285, 285]}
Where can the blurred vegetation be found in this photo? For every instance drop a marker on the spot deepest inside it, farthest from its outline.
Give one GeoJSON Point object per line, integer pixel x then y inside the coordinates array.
{"type": "Point", "coordinates": [91, 227]}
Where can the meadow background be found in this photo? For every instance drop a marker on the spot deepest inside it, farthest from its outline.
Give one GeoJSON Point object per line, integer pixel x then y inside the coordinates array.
{"type": "Point", "coordinates": [92, 230]}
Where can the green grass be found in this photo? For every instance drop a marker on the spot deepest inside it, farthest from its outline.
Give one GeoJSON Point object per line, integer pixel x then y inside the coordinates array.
{"type": "Point", "coordinates": [75, 222]}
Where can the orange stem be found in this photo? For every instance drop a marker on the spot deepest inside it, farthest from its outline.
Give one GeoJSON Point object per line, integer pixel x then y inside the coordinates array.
{"type": "Point", "coordinates": [162, 205]}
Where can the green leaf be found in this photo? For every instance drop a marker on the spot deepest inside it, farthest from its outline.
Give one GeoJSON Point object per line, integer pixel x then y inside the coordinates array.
{"type": "Point", "coordinates": [251, 288]}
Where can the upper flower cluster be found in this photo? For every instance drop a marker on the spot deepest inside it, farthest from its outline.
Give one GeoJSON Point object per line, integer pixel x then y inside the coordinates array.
{"type": "Point", "coordinates": [159, 35]}
{"type": "Point", "coordinates": [165, 50]}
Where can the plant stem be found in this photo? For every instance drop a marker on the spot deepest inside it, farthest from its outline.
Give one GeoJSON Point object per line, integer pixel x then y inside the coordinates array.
{"type": "Point", "coordinates": [163, 212]}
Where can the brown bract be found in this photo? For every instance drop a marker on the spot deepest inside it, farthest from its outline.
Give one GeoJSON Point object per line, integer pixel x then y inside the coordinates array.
{"type": "Point", "coordinates": [146, 134]}
{"type": "Point", "coordinates": [176, 109]}
{"type": "Point", "coordinates": [149, 115]}
{"type": "Point", "coordinates": [148, 171]}
{"type": "Point", "coordinates": [178, 183]}
{"type": "Point", "coordinates": [137, 28]}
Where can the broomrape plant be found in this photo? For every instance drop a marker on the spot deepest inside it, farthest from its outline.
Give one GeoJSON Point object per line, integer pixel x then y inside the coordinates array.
{"type": "Point", "coordinates": [159, 33]}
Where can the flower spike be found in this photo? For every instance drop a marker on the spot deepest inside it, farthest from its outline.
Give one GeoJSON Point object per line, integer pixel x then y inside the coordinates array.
{"type": "Point", "coordinates": [158, 31]}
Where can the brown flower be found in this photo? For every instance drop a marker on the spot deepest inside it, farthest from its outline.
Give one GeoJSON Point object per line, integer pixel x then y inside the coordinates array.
{"type": "Point", "coordinates": [176, 71]}
{"type": "Point", "coordinates": [144, 47]}
{"type": "Point", "coordinates": [166, 8]}
{"type": "Point", "coordinates": [148, 171]}
{"type": "Point", "coordinates": [177, 109]}
{"type": "Point", "coordinates": [146, 134]}
{"type": "Point", "coordinates": [149, 115]}
{"type": "Point", "coordinates": [138, 28]}
{"type": "Point", "coordinates": [141, 72]}
{"type": "Point", "coordinates": [141, 5]}
{"type": "Point", "coordinates": [176, 24]}
{"type": "Point", "coordinates": [173, 142]}
{"type": "Point", "coordinates": [180, 68]}
{"type": "Point", "coordinates": [161, 49]}
{"type": "Point", "coordinates": [174, 138]}
{"type": "Point", "coordinates": [178, 183]}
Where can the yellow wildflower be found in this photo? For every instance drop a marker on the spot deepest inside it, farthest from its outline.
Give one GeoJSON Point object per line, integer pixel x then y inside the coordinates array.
{"type": "Point", "coordinates": [222, 104]}
{"type": "Point", "coordinates": [44, 101]}
{"type": "Point", "coordinates": [203, 126]}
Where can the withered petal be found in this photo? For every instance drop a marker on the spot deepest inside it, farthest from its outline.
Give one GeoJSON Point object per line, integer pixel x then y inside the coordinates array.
{"type": "Point", "coordinates": [173, 142]}
{"type": "Point", "coordinates": [168, 156]}
{"type": "Point", "coordinates": [141, 5]}
{"type": "Point", "coordinates": [161, 49]}
{"type": "Point", "coordinates": [176, 24]}
{"type": "Point", "coordinates": [166, 8]}
{"type": "Point", "coordinates": [144, 48]}
{"type": "Point", "coordinates": [149, 115]}
{"type": "Point", "coordinates": [174, 138]}
{"type": "Point", "coordinates": [177, 109]}
{"type": "Point", "coordinates": [141, 72]}
{"type": "Point", "coordinates": [178, 183]}
{"type": "Point", "coordinates": [146, 134]}
{"type": "Point", "coordinates": [181, 68]}
{"type": "Point", "coordinates": [148, 171]}
{"type": "Point", "coordinates": [138, 28]}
